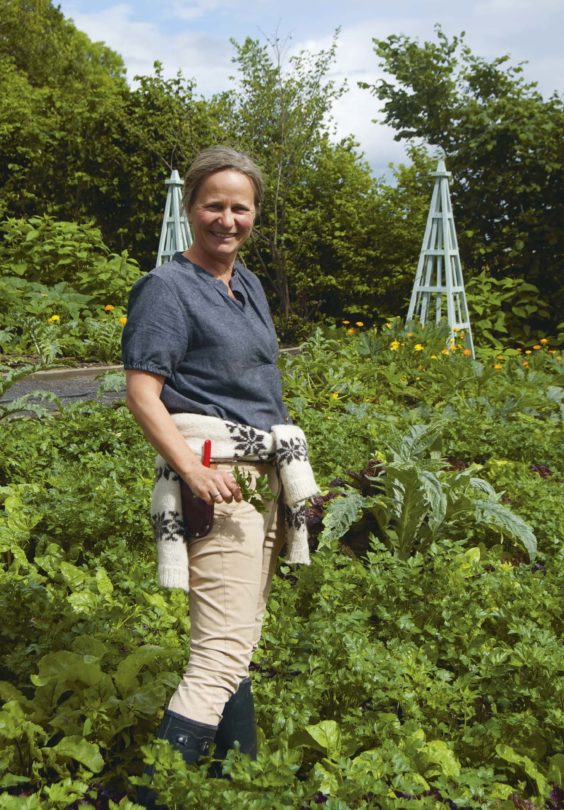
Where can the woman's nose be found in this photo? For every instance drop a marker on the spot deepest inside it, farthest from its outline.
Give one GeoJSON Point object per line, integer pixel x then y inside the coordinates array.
{"type": "Point", "coordinates": [227, 217]}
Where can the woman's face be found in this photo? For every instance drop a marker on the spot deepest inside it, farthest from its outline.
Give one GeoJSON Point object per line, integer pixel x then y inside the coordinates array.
{"type": "Point", "coordinates": [222, 214]}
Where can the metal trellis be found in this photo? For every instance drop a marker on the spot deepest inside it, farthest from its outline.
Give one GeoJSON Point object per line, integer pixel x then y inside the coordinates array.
{"type": "Point", "coordinates": [175, 231]}
{"type": "Point", "coordinates": [438, 280]}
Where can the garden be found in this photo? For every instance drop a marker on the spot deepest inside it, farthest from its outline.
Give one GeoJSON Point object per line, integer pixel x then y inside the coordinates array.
{"type": "Point", "coordinates": [417, 663]}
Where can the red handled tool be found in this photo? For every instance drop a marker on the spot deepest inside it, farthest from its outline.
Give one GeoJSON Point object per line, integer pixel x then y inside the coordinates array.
{"type": "Point", "coordinates": [206, 453]}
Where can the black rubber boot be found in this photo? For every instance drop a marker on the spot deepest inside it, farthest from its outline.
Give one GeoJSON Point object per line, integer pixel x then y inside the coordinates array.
{"type": "Point", "coordinates": [237, 725]}
{"type": "Point", "coordinates": [191, 738]}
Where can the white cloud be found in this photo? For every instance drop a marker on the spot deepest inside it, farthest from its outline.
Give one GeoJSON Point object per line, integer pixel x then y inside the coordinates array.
{"type": "Point", "coordinates": [193, 36]}
{"type": "Point", "coordinates": [198, 55]}
{"type": "Point", "coordinates": [196, 9]}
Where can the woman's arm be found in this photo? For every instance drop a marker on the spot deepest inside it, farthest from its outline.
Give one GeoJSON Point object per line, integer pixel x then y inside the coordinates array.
{"type": "Point", "coordinates": [144, 402]}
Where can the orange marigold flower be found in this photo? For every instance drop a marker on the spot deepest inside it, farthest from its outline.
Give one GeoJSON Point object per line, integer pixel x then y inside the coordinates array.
{"type": "Point", "coordinates": [498, 365]}
{"type": "Point", "coordinates": [467, 352]}
{"type": "Point", "coordinates": [109, 308]}
{"type": "Point", "coordinates": [122, 320]}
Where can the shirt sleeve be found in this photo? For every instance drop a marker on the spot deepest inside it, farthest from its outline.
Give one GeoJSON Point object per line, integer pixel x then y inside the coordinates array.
{"type": "Point", "coordinates": [155, 337]}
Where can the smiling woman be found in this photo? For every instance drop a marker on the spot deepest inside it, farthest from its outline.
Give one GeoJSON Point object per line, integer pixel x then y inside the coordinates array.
{"type": "Point", "coordinates": [221, 217]}
{"type": "Point", "coordinates": [201, 352]}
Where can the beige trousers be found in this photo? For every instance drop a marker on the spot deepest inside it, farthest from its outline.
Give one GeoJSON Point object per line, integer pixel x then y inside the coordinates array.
{"type": "Point", "coordinates": [231, 571]}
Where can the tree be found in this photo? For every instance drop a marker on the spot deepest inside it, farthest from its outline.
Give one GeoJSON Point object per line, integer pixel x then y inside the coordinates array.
{"type": "Point", "coordinates": [50, 51]}
{"type": "Point", "coordinates": [504, 147]}
{"type": "Point", "coordinates": [76, 143]}
{"type": "Point", "coordinates": [354, 239]}
{"type": "Point", "coordinates": [165, 125]}
{"type": "Point", "coordinates": [281, 115]}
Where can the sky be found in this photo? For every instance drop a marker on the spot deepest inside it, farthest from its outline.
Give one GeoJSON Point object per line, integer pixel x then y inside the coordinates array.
{"type": "Point", "coordinates": [194, 36]}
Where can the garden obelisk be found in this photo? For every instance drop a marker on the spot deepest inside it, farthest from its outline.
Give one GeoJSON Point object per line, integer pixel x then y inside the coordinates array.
{"type": "Point", "coordinates": [175, 231]}
{"type": "Point", "coordinates": [439, 286]}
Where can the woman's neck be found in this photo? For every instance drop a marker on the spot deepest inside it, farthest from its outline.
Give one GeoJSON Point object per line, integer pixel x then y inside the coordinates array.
{"type": "Point", "coordinates": [216, 268]}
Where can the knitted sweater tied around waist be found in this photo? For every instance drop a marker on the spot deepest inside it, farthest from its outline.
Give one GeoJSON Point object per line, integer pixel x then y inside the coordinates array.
{"type": "Point", "coordinates": [285, 446]}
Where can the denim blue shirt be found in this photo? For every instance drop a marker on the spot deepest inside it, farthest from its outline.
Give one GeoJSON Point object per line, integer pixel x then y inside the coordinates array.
{"type": "Point", "coordinates": [218, 354]}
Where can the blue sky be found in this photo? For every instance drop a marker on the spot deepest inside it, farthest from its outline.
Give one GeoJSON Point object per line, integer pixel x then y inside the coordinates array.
{"type": "Point", "coordinates": [193, 36]}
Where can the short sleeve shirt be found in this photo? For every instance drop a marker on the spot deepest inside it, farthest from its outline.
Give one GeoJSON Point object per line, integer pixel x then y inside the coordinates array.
{"type": "Point", "coordinates": [218, 354]}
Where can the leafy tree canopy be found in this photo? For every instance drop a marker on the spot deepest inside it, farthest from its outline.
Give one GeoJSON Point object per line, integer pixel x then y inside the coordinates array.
{"type": "Point", "coordinates": [503, 143]}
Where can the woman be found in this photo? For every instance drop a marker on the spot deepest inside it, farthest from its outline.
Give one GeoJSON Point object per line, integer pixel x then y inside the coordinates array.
{"type": "Point", "coordinates": [200, 352]}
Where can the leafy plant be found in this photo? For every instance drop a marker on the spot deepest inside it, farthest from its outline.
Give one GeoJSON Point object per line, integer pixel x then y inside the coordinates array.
{"type": "Point", "coordinates": [414, 502]}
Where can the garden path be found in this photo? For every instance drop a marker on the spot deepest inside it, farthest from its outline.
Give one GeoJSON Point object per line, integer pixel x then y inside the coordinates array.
{"type": "Point", "coordinates": [69, 384]}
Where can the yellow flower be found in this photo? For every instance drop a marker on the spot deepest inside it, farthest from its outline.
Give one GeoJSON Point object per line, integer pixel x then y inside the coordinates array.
{"type": "Point", "coordinates": [537, 346]}
{"type": "Point", "coordinates": [335, 395]}
{"type": "Point", "coordinates": [559, 357]}
{"type": "Point", "coordinates": [525, 363]}
{"type": "Point", "coordinates": [346, 323]}
{"type": "Point", "coordinates": [359, 323]}
{"type": "Point", "coordinates": [444, 351]}
{"type": "Point", "coordinates": [434, 357]}
{"type": "Point", "coordinates": [418, 347]}
{"type": "Point", "coordinates": [351, 330]}
{"type": "Point", "coordinates": [388, 325]}
{"type": "Point", "coordinates": [498, 365]}
{"type": "Point", "coordinates": [410, 334]}
{"type": "Point", "coordinates": [544, 341]}
{"type": "Point", "coordinates": [54, 318]}
{"type": "Point", "coordinates": [552, 351]}
{"type": "Point", "coordinates": [467, 352]}
{"type": "Point", "coordinates": [456, 328]}
{"type": "Point", "coordinates": [109, 308]}
{"type": "Point", "coordinates": [394, 345]}
{"type": "Point", "coordinates": [122, 320]}
{"type": "Point", "coordinates": [528, 351]}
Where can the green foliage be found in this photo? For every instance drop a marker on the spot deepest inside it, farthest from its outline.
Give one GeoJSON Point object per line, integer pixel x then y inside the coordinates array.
{"type": "Point", "coordinates": [412, 503]}
{"type": "Point", "coordinates": [60, 292]}
{"type": "Point", "coordinates": [257, 492]}
{"type": "Point", "coordinates": [500, 308]}
{"type": "Point", "coordinates": [423, 672]}
{"type": "Point", "coordinates": [279, 113]}
{"type": "Point", "coordinates": [43, 250]}
{"type": "Point", "coordinates": [502, 146]}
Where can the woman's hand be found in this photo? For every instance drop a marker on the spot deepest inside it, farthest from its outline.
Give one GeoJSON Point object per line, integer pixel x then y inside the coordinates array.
{"type": "Point", "coordinates": [213, 486]}
{"type": "Point", "coordinates": [144, 402]}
